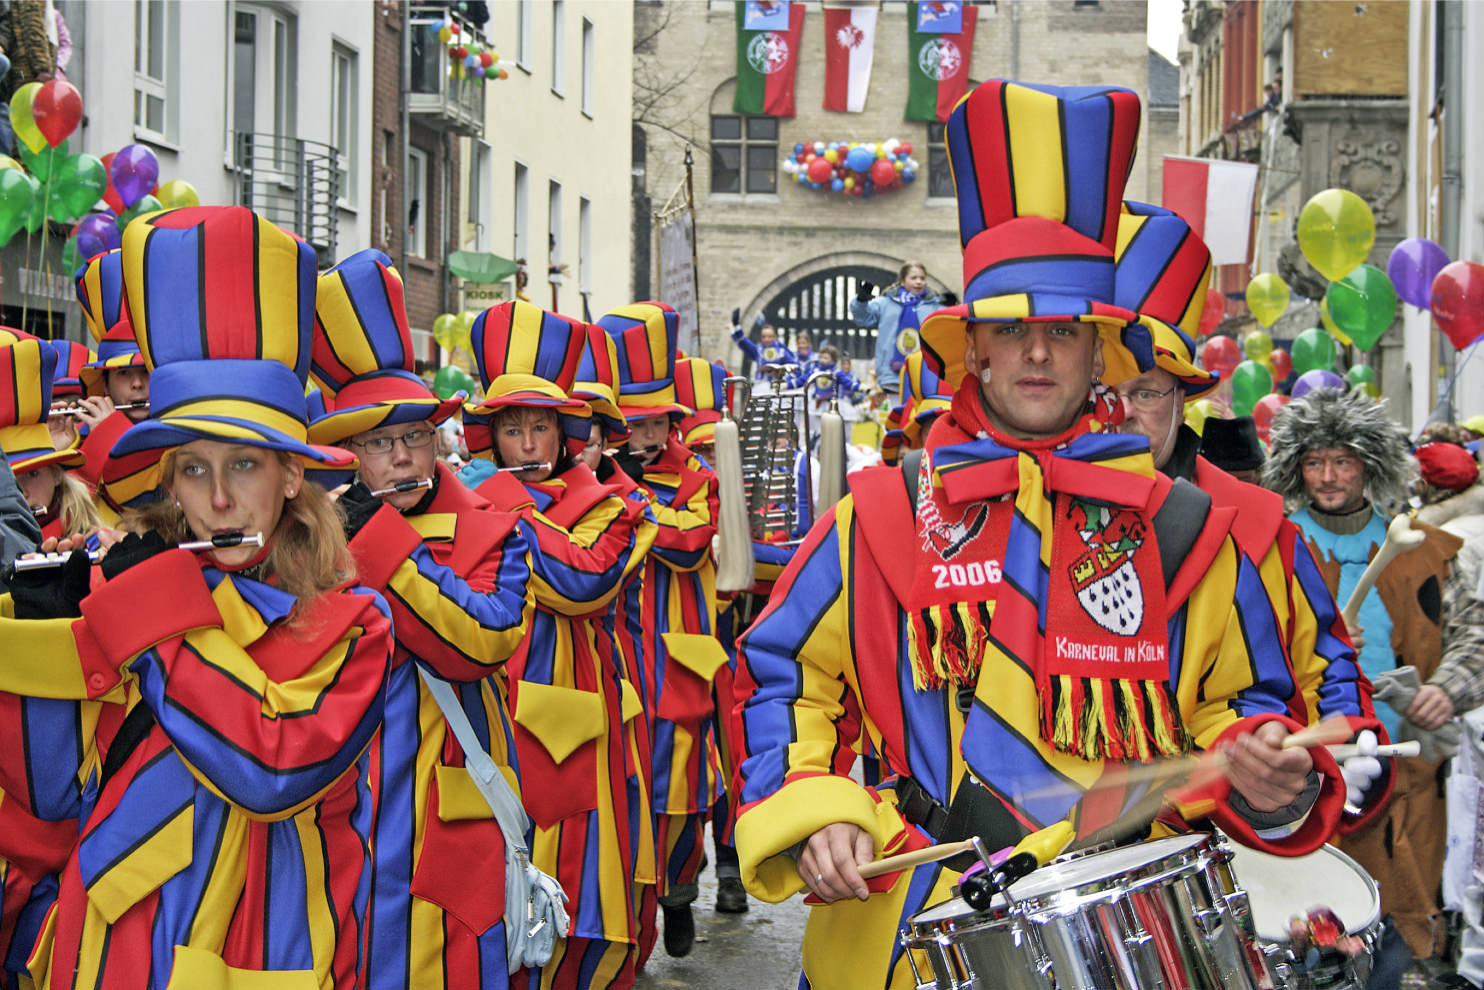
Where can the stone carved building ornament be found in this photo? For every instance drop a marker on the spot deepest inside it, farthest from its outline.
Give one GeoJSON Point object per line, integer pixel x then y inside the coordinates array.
{"type": "Point", "coordinates": [1372, 167]}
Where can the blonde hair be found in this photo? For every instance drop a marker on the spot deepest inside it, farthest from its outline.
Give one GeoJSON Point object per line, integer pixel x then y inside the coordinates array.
{"type": "Point", "coordinates": [79, 514]}
{"type": "Point", "coordinates": [308, 555]}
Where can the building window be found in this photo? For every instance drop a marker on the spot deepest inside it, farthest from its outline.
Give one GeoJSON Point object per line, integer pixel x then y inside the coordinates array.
{"type": "Point", "coordinates": [388, 150]}
{"type": "Point", "coordinates": [156, 67]}
{"type": "Point", "coordinates": [559, 47]}
{"type": "Point", "coordinates": [940, 176]}
{"type": "Point", "coordinates": [521, 244]}
{"type": "Point", "coordinates": [523, 34]}
{"type": "Point", "coordinates": [744, 154]}
{"type": "Point", "coordinates": [554, 224]}
{"type": "Point", "coordinates": [584, 245]}
{"type": "Point", "coordinates": [264, 80]}
{"type": "Point", "coordinates": [589, 55]}
{"type": "Point", "coordinates": [344, 130]}
{"type": "Point", "coordinates": [480, 161]}
{"type": "Point", "coordinates": [418, 202]}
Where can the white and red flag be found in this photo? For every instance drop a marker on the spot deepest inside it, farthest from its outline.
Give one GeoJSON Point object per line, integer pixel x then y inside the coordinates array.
{"type": "Point", "coordinates": [849, 41]}
{"type": "Point", "coordinates": [1215, 198]}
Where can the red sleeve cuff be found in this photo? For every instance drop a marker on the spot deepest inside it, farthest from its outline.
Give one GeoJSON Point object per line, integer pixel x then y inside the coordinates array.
{"type": "Point", "coordinates": [381, 545]}
{"type": "Point", "coordinates": [149, 603]}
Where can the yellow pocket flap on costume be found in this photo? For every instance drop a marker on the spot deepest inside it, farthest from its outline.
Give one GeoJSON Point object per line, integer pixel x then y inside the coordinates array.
{"type": "Point", "coordinates": [561, 718]}
{"type": "Point", "coordinates": [434, 525]}
{"type": "Point", "coordinates": [199, 969]}
{"type": "Point", "coordinates": [459, 799]}
{"type": "Point", "coordinates": [632, 704]}
{"type": "Point", "coordinates": [701, 655]}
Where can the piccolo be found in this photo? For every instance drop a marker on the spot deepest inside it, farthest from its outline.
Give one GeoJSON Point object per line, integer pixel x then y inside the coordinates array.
{"type": "Point", "coordinates": [403, 486]}
{"type": "Point", "coordinates": [39, 510]}
{"type": "Point", "coordinates": [219, 542]}
{"type": "Point", "coordinates": [79, 410]}
{"type": "Point", "coordinates": [534, 466]}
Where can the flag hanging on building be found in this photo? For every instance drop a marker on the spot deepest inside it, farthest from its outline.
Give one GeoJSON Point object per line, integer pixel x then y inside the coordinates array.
{"type": "Point", "coordinates": [940, 39]}
{"type": "Point", "coordinates": [1215, 198]}
{"type": "Point", "coordinates": [849, 41]}
{"type": "Point", "coordinates": [767, 59]}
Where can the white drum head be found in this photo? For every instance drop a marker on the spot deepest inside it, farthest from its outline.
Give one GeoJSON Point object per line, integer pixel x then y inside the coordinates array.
{"type": "Point", "coordinates": [1074, 873]}
{"type": "Point", "coordinates": [1280, 887]}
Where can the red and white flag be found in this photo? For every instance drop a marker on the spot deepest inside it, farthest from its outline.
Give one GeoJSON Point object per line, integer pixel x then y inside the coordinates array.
{"type": "Point", "coordinates": [1215, 198]}
{"type": "Point", "coordinates": [849, 40]}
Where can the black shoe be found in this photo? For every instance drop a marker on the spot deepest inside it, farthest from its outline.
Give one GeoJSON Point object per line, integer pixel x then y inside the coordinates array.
{"type": "Point", "coordinates": [1450, 981]}
{"type": "Point", "coordinates": [680, 931]}
{"type": "Point", "coordinates": [730, 897]}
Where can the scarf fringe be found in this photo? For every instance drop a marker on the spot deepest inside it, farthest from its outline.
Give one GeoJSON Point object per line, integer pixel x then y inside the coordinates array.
{"type": "Point", "coordinates": [948, 643]}
{"type": "Point", "coordinates": [1095, 718]}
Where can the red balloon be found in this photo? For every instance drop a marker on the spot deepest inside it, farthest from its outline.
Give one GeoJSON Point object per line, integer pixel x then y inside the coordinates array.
{"type": "Point", "coordinates": [1263, 412]}
{"type": "Point", "coordinates": [57, 110]}
{"type": "Point", "coordinates": [883, 172]}
{"type": "Point", "coordinates": [1282, 363]}
{"type": "Point", "coordinates": [1221, 354]}
{"type": "Point", "coordinates": [1213, 312]}
{"type": "Point", "coordinates": [486, 59]}
{"type": "Point", "coordinates": [111, 195]}
{"type": "Point", "coordinates": [462, 52]}
{"type": "Point", "coordinates": [905, 147]}
{"type": "Point", "coordinates": [1458, 302]}
{"type": "Point", "coordinates": [820, 170]}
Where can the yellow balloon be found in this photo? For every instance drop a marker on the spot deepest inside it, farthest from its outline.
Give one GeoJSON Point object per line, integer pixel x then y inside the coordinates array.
{"type": "Point", "coordinates": [444, 34]}
{"type": "Point", "coordinates": [1267, 298]}
{"type": "Point", "coordinates": [8, 162]}
{"type": "Point", "coordinates": [832, 156]}
{"type": "Point", "coordinates": [446, 330]}
{"type": "Point", "coordinates": [1257, 345]}
{"type": "Point", "coordinates": [1335, 232]}
{"type": "Point", "coordinates": [465, 320]}
{"type": "Point", "coordinates": [1196, 414]}
{"type": "Point", "coordinates": [850, 182]}
{"type": "Point", "coordinates": [1329, 324]}
{"type": "Point", "coordinates": [21, 120]}
{"type": "Point", "coordinates": [178, 193]}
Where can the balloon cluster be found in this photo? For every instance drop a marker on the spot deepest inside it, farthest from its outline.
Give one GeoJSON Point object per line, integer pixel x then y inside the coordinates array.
{"type": "Point", "coordinates": [468, 57]}
{"type": "Point", "coordinates": [451, 331]}
{"type": "Point", "coordinates": [133, 189]}
{"type": "Point", "coordinates": [854, 168]}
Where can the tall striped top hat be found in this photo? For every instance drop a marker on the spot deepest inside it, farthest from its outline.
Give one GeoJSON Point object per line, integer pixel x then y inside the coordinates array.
{"type": "Point", "coordinates": [529, 357]}
{"type": "Point", "coordinates": [1039, 173]}
{"type": "Point", "coordinates": [362, 356]}
{"type": "Point", "coordinates": [27, 366]}
{"type": "Point", "coordinates": [105, 309]}
{"type": "Point", "coordinates": [597, 382]}
{"type": "Point", "coordinates": [702, 386]}
{"type": "Point", "coordinates": [222, 303]}
{"type": "Point", "coordinates": [646, 334]}
{"type": "Point", "coordinates": [72, 357]}
{"type": "Point", "coordinates": [924, 398]}
{"type": "Point", "coordinates": [1162, 272]}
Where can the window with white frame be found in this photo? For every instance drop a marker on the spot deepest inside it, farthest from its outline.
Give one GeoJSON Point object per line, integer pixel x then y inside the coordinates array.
{"type": "Point", "coordinates": [521, 209]}
{"type": "Point", "coordinates": [559, 47]}
{"type": "Point", "coordinates": [264, 76]}
{"type": "Point", "coordinates": [418, 202]}
{"type": "Point", "coordinates": [480, 160]}
{"type": "Point", "coordinates": [523, 34]}
{"type": "Point", "coordinates": [589, 56]}
{"type": "Point", "coordinates": [156, 68]}
{"type": "Point", "coordinates": [584, 245]}
{"type": "Point", "coordinates": [344, 122]}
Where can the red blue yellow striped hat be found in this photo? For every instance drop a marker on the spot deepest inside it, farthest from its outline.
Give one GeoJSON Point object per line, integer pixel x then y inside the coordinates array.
{"type": "Point", "coordinates": [222, 303]}
{"type": "Point", "coordinates": [105, 309]}
{"type": "Point", "coordinates": [597, 382]}
{"type": "Point", "coordinates": [72, 357]}
{"type": "Point", "coordinates": [925, 398]}
{"type": "Point", "coordinates": [362, 355]}
{"type": "Point", "coordinates": [645, 334]}
{"type": "Point", "coordinates": [702, 386]}
{"type": "Point", "coordinates": [26, 368]}
{"type": "Point", "coordinates": [1039, 172]}
{"type": "Point", "coordinates": [529, 357]}
{"type": "Point", "coordinates": [1163, 270]}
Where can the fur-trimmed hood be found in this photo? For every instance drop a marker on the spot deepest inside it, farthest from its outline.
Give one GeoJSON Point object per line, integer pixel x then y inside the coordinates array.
{"type": "Point", "coordinates": [1329, 417]}
{"type": "Point", "coordinates": [1469, 502]}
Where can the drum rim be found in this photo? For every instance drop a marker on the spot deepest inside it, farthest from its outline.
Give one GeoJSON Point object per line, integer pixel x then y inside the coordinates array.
{"type": "Point", "coordinates": [1373, 919]}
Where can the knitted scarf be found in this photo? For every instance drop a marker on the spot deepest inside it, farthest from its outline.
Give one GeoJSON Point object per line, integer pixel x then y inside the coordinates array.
{"type": "Point", "coordinates": [1042, 553]}
{"type": "Point", "coordinates": [906, 320]}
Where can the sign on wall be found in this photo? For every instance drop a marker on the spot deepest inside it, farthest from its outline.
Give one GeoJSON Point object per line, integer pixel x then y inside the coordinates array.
{"type": "Point", "coordinates": [677, 263]}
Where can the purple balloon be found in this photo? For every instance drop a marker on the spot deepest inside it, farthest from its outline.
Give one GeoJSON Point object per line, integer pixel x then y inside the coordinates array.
{"type": "Point", "coordinates": [135, 170]}
{"type": "Point", "coordinates": [1413, 264]}
{"type": "Point", "coordinates": [97, 233]}
{"type": "Point", "coordinates": [1318, 378]}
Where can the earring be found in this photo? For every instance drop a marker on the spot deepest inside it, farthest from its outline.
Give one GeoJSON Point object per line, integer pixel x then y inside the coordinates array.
{"type": "Point", "coordinates": [984, 374]}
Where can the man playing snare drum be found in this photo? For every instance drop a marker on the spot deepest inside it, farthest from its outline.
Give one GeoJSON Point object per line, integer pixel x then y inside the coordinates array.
{"type": "Point", "coordinates": [1025, 603]}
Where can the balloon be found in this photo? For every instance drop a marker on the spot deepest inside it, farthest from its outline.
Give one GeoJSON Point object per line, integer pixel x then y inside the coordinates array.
{"type": "Point", "coordinates": [71, 259]}
{"type": "Point", "coordinates": [75, 188]}
{"type": "Point", "coordinates": [837, 184]}
{"type": "Point", "coordinates": [110, 194]}
{"type": "Point", "coordinates": [37, 216]}
{"type": "Point", "coordinates": [859, 158]}
{"type": "Point", "coordinates": [1458, 302]}
{"type": "Point", "coordinates": [1359, 374]}
{"type": "Point", "coordinates": [1362, 304]}
{"type": "Point", "coordinates": [905, 147]}
{"type": "Point", "coordinates": [445, 330]}
{"type": "Point", "coordinates": [15, 202]}
{"type": "Point", "coordinates": [449, 381]}
{"type": "Point", "coordinates": [504, 74]}
{"type": "Point", "coordinates": [1328, 322]}
{"type": "Point", "coordinates": [1281, 364]}
{"type": "Point", "coordinates": [820, 170]}
{"type": "Point", "coordinates": [1220, 354]}
{"type": "Point", "coordinates": [883, 172]}
{"type": "Point", "coordinates": [1212, 312]}
{"type": "Point", "coordinates": [134, 172]}
{"type": "Point", "coordinates": [1413, 264]}
{"type": "Point", "coordinates": [57, 110]}
{"type": "Point", "coordinates": [848, 183]}
{"type": "Point", "coordinates": [1267, 297]}
{"type": "Point", "coordinates": [1313, 349]}
{"type": "Point", "coordinates": [21, 120]}
{"type": "Point", "coordinates": [177, 193]}
{"type": "Point", "coordinates": [1257, 345]}
{"type": "Point", "coordinates": [1263, 411]}
{"type": "Point", "coordinates": [146, 205]}
{"type": "Point", "coordinates": [8, 162]}
{"type": "Point", "coordinates": [97, 233]}
{"type": "Point", "coordinates": [444, 35]}
{"type": "Point", "coordinates": [908, 176]}
{"type": "Point", "coordinates": [1196, 414]}
{"type": "Point", "coordinates": [1318, 378]}
{"type": "Point", "coordinates": [1335, 232]}
{"type": "Point", "coordinates": [41, 163]}
{"type": "Point", "coordinates": [1250, 382]}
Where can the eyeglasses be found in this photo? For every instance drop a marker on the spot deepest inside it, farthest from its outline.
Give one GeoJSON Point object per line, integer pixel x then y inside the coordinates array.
{"type": "Point", "coordinates": [1145, 398]}
{"type": "Point", "coordinates": [412, 440]}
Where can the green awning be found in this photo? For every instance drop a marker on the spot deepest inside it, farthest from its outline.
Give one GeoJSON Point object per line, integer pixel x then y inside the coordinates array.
{"type": "Point", "coordinates": [479, 266]}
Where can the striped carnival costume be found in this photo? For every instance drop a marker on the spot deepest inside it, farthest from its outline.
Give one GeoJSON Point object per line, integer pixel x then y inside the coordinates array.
{"type": "Point", "coordinates": [959, 618]}
{"type": "Point", "coordinates": [213, 732]}
{"type": "Point", "coordinates": [576, 712]}
{"type": "Point", "coordinates": [455, 573]}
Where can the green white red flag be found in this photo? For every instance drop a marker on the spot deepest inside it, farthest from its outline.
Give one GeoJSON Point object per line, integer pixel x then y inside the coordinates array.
{"type": "Point", "coordinates": [938, 58]}
{"type": "Point", "coordinates": [767, 58]}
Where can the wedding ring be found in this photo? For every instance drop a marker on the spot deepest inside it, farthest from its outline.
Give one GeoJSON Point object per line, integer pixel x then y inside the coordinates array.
{"type": "Point", "coordinates": [819, 878]}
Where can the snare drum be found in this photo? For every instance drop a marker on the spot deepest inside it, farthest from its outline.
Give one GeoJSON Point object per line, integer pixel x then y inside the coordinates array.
{"type": "Point", "coordinates": [1279, 888]}
{"type": "Point", "coordinates": [1156, 914]}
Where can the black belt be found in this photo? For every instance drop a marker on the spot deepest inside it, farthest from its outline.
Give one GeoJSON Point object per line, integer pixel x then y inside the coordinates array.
{"type": "Point", "coordinates": [920, 808]}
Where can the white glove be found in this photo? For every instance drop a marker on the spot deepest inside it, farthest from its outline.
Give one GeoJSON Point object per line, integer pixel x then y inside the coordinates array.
{"type": "Point", "coordinates": [1361, 770]}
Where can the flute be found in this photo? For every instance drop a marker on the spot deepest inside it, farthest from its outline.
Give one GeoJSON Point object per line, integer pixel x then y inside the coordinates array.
{"type": "Point", "coordinates": [39, 510]}
{"type": "Point", "coordinates": [537, 466]}
{"type": "Point", "coordinates": [219, 542]}
{"type": "Point", "coordinates": [403, 486]}
{"type": "Point", "coordinates": [79, 410]}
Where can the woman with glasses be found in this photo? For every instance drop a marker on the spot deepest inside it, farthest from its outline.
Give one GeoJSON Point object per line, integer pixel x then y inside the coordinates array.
{"type": "Point", "coordinates": [576, 710]}
{"type": "Point", "coordinates": [455, 573]}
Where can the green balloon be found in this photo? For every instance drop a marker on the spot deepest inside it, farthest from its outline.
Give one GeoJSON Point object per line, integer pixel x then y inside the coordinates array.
{"type": "Point", "coordinates": [15, 202]}
{"type": "Point", "coordinates": [1360, 374]}
{"type": "Point", "coordinates": [1250, 382]}
{"type": "Point", "coordinates": [1314, 348]}
{"type": "Point", "coordinates": [41, 164]}
{"type": "Point", "coordinates": [76, 186]}
{"type": "Point", "coordinates": [1362, 304]}
{"type": "Point", "coordinates": [71, 260]}
{"type": "Point", "coordinates": [449, 381]}
{"type": "Point", "coordinates": [146, 204]}
{"type": "Point", "coordinates": [37, 216]}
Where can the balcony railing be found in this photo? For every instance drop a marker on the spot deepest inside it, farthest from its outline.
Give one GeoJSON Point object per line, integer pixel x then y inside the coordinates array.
{"type": "Point", "coordinates": [292, 182]}
{"type": "Point", "coordinates": [434, 95]}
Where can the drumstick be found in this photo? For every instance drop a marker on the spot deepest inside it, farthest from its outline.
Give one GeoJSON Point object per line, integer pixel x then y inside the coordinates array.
{"type": "Point", "coordinates": [1400, 537]}
{"type": "Point", "coordinates": [1411, 747]}
{"type": "Point", "coordinates": [917, 857]}
{"type": "Point", "coordinates": [1335, 729]}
